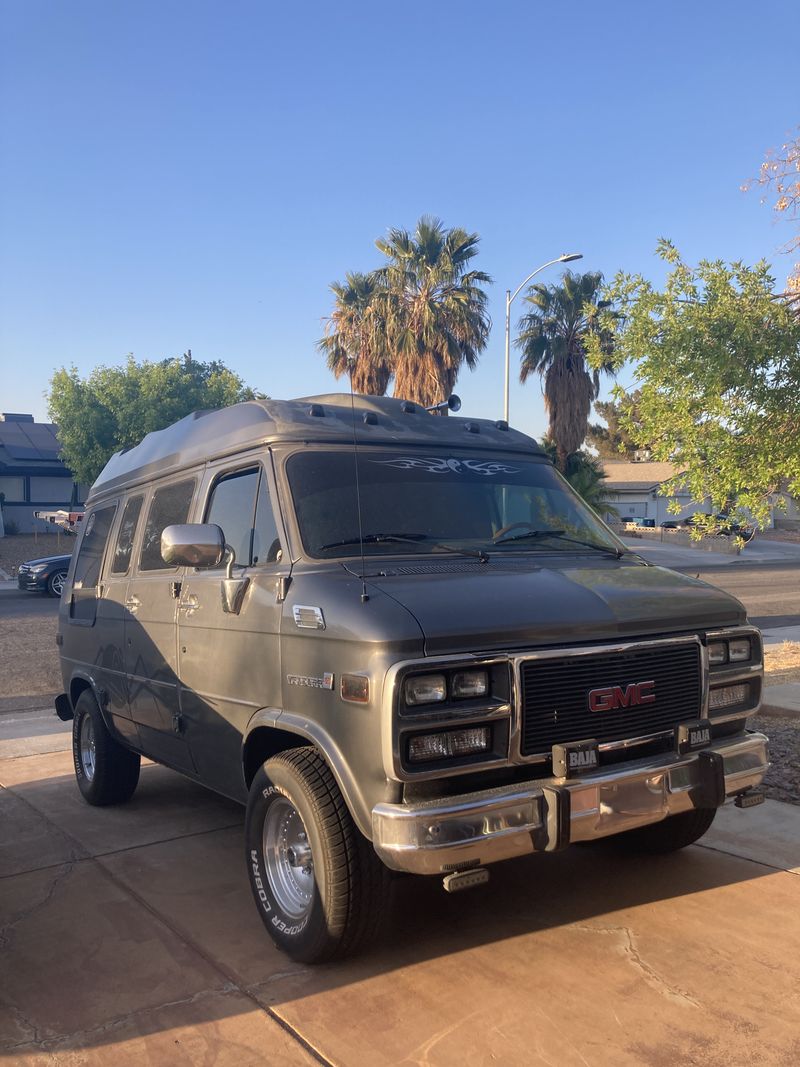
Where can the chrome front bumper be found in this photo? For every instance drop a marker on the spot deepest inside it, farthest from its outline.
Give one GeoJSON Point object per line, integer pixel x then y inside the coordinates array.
{"type": "Point", "coordinates": [438, 836]}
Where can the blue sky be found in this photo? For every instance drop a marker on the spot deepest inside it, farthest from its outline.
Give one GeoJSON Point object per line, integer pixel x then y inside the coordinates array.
{"type": "Point", "coordinates": [193, 175]}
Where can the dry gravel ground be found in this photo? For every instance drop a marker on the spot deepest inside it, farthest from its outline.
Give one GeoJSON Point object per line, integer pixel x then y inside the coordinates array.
{"type": "Point", "coordinates": [782, 781]}
{"type": "Point", "coordinates": [18, 548]}
{"type": "Point", "coordinates": [28, 652]}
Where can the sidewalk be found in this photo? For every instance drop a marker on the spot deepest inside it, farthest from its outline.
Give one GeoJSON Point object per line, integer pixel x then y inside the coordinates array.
{"type": "Point", "coordinates": [680, 558]}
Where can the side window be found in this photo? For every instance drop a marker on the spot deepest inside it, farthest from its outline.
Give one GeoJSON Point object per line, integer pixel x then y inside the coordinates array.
{"type": "Point", "coordinates": [127, 532]}
{"type": "Point", "coordinates": [169, 505]}
{"type": "Point", "coordinates": [86, 576]}
{"type": "Point", "coordinates": [232, 506]}
{"type": "Point", "coordinates": [266, 543]}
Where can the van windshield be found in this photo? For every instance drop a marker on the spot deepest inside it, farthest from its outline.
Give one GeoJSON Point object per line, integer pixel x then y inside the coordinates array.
{"type": "Point", "coordinates": [415, 502]}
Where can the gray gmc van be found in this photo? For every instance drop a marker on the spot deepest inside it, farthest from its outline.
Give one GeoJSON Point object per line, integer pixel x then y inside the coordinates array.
{"type": "Point", "coordinates": [404, 644]}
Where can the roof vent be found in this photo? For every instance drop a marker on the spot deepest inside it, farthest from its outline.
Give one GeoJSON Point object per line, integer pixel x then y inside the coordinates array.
{"type": "Point", "coordinates": [317, 411]}
{"type": "Point", "coordinates": [472, 427]}
{"type": "Point", "coordinates": [408, 408]}
{"type": "Point", "coordinates": [370, 418]}
{"type": "Point", "coordinates": [501, 424]}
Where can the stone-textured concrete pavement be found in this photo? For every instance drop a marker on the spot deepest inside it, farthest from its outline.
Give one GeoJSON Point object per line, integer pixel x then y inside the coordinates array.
{"type": "Point", "coordinates": [129, 936]}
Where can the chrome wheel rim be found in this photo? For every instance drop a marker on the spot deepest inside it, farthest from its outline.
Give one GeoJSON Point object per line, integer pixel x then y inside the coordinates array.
{"type": "Point", "coordinates": [87, 747]}
{"type": "Point", "coordinates": [57, 583]}
{"type": "Point", "coordinates": [287, 858]}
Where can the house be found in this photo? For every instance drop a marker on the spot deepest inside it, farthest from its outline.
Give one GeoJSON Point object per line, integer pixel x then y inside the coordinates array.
{"type": "Point", "coordinates": [32, 476]}
{"type": "Point", "coordinates": [636, 491]}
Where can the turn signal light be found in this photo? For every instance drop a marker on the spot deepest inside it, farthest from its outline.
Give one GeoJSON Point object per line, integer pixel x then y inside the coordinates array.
{"type": "Point", "coordinates": [726, 696]}
{"type": "Point", "coordinates": [355, 687]}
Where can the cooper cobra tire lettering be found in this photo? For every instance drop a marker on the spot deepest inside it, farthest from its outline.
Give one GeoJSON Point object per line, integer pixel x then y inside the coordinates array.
{"type": "Point", "coordinates": [258, 882]}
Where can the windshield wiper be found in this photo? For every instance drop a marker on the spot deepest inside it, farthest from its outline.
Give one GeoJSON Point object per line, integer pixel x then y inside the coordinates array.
{"type": "Point", "coordinates": [410, 539]}
{"type": "Point", "coordinates": [561, 535]}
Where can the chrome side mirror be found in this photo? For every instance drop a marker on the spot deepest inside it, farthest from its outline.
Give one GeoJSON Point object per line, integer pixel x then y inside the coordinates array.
{"type": "Point", "coordinates": [193, 544]}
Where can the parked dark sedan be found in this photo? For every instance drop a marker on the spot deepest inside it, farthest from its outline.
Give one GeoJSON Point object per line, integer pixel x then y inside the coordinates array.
{"type": "Point", "coordinates": [45, 575]}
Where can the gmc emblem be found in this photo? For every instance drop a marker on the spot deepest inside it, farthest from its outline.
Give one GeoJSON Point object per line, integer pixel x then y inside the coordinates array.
{"type": "Point", "coordinates": [618, 697]}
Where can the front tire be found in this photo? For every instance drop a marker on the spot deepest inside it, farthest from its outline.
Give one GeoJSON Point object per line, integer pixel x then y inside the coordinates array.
{"type": "Point", "coordinates": [317, 883]}
{"type": "Point", "coordinates": [669, 835]}
{"type": "Point", "coordinates": [107, 773]}
{"type": "Point", "coordinates": [55, 584]}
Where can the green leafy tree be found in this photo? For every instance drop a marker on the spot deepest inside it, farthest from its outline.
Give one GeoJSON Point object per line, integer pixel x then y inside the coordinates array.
{"type": "Point", "coordinates": [114, 407]}
{"type": "Point", "coordinates": [355, 335]}
{"type": "Point", "coordinates": [716, 357]}
{"type": "Point", "coordinates": [613, 441]}
{"type": "Point", "coordinates": [434, 308]}
{"type": "Point", "coordinates": [553, 337]}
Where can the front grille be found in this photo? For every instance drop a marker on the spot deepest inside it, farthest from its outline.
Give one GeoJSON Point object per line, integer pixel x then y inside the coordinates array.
{"type": "Point", "coordinates": [555, 695]}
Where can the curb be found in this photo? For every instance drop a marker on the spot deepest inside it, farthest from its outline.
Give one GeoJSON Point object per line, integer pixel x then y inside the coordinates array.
{"type": "Point", "coordinates": [778, 711]}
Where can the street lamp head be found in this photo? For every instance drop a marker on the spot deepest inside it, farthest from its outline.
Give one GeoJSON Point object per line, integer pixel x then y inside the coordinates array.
{"type": "Point", "coordinates": [568, 257]}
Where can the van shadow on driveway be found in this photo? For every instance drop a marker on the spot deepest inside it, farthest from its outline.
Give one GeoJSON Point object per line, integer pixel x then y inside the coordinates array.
{"type": "Point", "coordinates": [130, 933]}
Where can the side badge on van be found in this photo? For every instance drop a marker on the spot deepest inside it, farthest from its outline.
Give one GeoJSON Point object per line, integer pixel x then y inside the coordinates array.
{"type": "Point", "coordinates": [325, 682]}
{"type": "Point", "coordinates": [308, 618]}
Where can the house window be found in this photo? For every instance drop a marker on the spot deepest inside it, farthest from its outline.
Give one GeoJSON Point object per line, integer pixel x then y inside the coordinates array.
{"type": "Point", "coordinates": [14, 489]}
{"type": "Point", "coordinates": [51, 490]}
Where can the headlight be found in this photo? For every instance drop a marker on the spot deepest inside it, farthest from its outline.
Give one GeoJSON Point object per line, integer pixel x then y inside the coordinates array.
{"type": "Point", "coordinates": [425, 689]}
{"type": "Point", "coordinates": [717, 653]}
{"type": "Point", "coordinates": [426, 748]}
{"type": "Point", "coordinates": [37, 569]}
{"type": "Point", "coordinates": [739, 649]}
{"type": "Point", "coordinates": [466, 684]}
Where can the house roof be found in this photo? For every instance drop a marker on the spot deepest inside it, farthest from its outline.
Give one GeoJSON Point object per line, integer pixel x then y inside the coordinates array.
{"type": "Point", "coordinates": [26, 444]}
{"type": "Point", "coordinates": [623, 475]}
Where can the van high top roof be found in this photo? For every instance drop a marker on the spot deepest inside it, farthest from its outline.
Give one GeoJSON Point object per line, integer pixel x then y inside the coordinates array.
{"type": "Point", "coordinates": [318, 419]}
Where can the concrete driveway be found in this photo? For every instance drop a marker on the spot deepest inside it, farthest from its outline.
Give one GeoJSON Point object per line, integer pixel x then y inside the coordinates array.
{"type": "Point", "coordinates": [128, 936]}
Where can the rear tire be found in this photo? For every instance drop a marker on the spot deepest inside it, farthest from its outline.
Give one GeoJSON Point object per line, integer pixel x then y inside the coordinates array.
{"type": "Point", "coordinates": [107, 773]}
{"type": "Point", "coordinates": [317, 883]}
{"type": "Point", "coordinates": [669, 835]}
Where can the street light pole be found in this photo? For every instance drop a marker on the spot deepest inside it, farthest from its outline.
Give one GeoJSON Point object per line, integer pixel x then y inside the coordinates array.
{"type": "Point", "coordinates": [510, 298]}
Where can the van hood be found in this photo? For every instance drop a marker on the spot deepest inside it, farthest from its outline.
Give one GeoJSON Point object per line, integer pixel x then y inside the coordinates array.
{"type": "Point", "coordinates": [465, 605]}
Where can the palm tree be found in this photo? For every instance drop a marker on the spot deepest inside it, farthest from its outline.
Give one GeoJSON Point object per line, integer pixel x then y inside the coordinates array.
{"type": "Point", "coordinates": [552, 341]}
{"type": "Point", "coordinates": [585, 474]}
{"type": "Point", "coordinates": [435, 308]}
{"type": "Point", "coordinates": [355, 335]}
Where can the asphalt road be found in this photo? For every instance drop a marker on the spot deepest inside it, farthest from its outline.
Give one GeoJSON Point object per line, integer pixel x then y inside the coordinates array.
{"type": "Point", "coordinates": [771, 593]}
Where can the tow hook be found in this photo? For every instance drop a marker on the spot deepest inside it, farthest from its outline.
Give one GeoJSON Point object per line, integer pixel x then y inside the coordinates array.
{"type": "Point", "coordinates": [459, 880]}
{"type": "Point", "coordinates": [750, 799]}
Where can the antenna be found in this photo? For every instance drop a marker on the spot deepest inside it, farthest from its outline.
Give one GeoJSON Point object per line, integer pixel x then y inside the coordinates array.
{"type": "Point", "coordinates": [364, 594]}
{"type": "Point", "coordinates": [453, 403]}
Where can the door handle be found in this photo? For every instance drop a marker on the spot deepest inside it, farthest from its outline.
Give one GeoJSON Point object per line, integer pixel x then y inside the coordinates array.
{"type": "Point", "coordinates": [189, 603]}
{"type": "Point", "coordinates": [133, 603]}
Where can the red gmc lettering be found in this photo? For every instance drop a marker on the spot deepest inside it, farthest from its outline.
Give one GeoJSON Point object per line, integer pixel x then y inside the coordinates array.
{"type": "Point", "coordinates": [618, 697]}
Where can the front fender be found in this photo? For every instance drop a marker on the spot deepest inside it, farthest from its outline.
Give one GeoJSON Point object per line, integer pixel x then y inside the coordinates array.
{"type": "Point", "coordinates": [275, 718]}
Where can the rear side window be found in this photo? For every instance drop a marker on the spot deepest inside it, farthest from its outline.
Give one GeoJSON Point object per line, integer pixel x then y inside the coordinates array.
{"type": "Point", "coordinates": [232, 507]}
{"type": "Point", "coordinates": [169, 505]}
{"type": "Point", "coordinates": [127, 532]}
{"type": "Point", "coordinates": [87, 566]}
